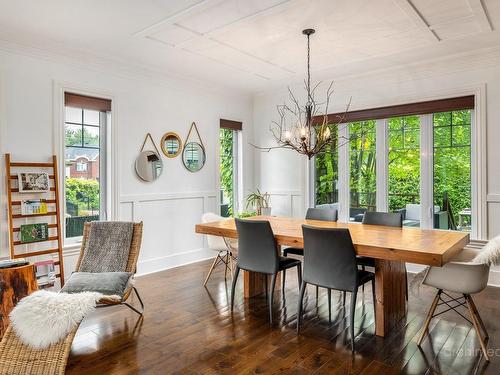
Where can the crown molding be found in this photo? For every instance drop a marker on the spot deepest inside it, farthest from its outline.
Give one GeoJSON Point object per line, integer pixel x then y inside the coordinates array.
{"type": "Point", "coordinates": [86, 60]}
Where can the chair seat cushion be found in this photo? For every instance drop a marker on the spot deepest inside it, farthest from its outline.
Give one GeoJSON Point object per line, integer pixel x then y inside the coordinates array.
{"type": "Point", "coordinates": [288, 263]}
{"type": "Point", "coordinates": [365, 261]}
{"type": "Point", "coordinates": [106, 283]}
{"type": "Point", "coordinates": [293, 250]}
{"type": "Point", "coordinates": [458, 277]}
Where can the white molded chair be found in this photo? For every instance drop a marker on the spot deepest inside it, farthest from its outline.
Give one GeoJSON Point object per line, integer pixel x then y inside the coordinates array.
{"type": "Point", "coordinates": [464, 277]}
{"type": "Point", "coordinates": [225, 247]}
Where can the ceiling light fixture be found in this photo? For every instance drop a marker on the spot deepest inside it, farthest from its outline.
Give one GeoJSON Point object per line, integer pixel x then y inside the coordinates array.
{"type": "Point", "coordinates": [301, 127]}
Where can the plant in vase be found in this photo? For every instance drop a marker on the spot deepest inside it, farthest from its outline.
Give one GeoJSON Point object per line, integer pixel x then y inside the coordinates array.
{"type": "Point", "coordinates": [259, 201]}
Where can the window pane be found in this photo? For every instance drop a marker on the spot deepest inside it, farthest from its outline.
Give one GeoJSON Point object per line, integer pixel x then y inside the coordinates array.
{"type": "Point", "coordinates": [461, 135]}
{"type": "Point", "coordinates": [442, 136]}
{"type": "Point", "coordinates": [73, 135]}
{"type": "Point", "coordinates": [362, 168]}
{"type": "Point", "coordinates": [452, 176]}
{"type": "Point", "coordinates": [461, 117]}
{"type": "Point", "coordinates": [91, 136]}
{"type": "Point", "coordinates": [326, 164]}
{"type": "Point", "coordinates": [90, 117]}
{"type": "Point", "coordinates": [73, 115]}
{"type": "Point", "coordinates": [82, 178]}
{"type": "Point", "coordinates": [404, 170]}
{"type": "Point", "coordinates": [226, 172]}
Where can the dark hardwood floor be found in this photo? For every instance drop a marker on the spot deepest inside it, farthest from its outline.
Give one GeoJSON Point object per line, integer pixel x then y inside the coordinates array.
{"type": "Point", "coordinates": [188, 329]}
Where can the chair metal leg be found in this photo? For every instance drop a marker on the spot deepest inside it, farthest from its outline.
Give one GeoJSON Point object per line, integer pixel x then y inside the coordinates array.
{"type": "Point", "coordinates": [271, 297]}
{"type": "Point", "coordinates": [478, 317]}
{"type": "Point", "coordinates": [299, 274]}
{"type": "Point", "coordinates": [429, 317]}
{"type": "Point", "coordinates": [140, 312]}
{"type": "Point", "coordinates": [231, 264]}
{"type": "Point", "coordinates": [212, 268]}
{"type": "Point", "coordinates": [233, 286]}
{"type": "Point", "coordinates": [343, 298]}
{"type": "Point", "coordinates": [283, 281]}
{"type": "Point", "coordinates": [406, 282]}
{"type": "Point", "coordinates": [352, 311]}
{"type": "Point", "coordinates": [476, 327]}
{"type": "Point", "coordinates": [329, 305]}
{"type": "Point", "coordinates": [299, 308]}
{"type": "Point", "coordinates": [374, 300]}
{"type": "Point", "coordinates": [266, 287]}
{"type": "Point", "coordinates": [226, 264]}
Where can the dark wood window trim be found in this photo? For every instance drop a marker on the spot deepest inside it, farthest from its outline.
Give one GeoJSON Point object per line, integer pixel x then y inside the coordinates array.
{"type": "Point", "coordinates": [230, 124]}
{"type": "Point", "coordinates": [420, 108]}
{"type": "Point", "coordinates": [86, 102]}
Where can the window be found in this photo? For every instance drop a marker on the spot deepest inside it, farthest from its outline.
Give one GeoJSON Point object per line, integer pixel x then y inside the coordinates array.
{"type": "Point", "coordinates": [362, 174]}
{"type": "Point", "coordinates": [85, 168]}
{"type": "Point", "coordinates": [404, 168]}
{"type": "Point", "coordinates": [326, 173]}
{"type": "Point", "coordinates": [452, 169]}
{"type": "Point", "coordinates": [81, 167]}
{"type": "Point", "coordinates": [229, 138]}
{"type": "Point", "coordinates": [415, 159]}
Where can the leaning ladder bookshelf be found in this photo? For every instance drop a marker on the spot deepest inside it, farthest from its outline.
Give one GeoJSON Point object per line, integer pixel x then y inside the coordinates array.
{"type": "Point", "coordinates": [53, 211]}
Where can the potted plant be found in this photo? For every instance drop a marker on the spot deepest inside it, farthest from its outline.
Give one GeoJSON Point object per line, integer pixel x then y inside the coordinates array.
{"type": "Point", "coordinates": [260, 202]}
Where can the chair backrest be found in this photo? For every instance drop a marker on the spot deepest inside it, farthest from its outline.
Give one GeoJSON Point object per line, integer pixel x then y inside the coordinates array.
{"type": "Point", "coordinates": [389, 219]}
{"type": "Point", "coordinates": [323, 214]}
{"type": "Point", "coordinates": [329, 258]}
{"type": "Point", "coordinates": [214, 242]}
{"type": "Point", "coordinates": [133, 254]}
{"type": "Point", "coordinates": [257, 250]}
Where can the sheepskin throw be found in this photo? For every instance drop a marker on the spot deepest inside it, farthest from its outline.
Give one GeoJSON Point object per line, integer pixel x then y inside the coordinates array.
{"type": "Point", "coordinates": [107, 247]}
{"type": "Point", "coordinates": [490, 253]}
{"type": "Point", "coordinates": [44, 318]}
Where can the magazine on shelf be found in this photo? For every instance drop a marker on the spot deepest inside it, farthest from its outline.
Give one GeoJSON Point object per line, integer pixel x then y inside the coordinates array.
{"type": "Point", "coordinates": [33, 182]}
{"type": "Point", "coordinates": [45, 273]}
{"type": "Point", "coordinates": [10, 263]}
{"type": "Point", "coordinates": [34, 232]}
{"type": "Point", "coordinates": [33, 207]}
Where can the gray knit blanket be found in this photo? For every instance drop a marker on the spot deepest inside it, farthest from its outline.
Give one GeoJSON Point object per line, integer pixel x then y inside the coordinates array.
{"type": "Point", "coordinates": [107, 247]}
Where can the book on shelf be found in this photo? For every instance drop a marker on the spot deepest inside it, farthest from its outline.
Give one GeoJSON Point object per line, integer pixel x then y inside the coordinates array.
{"type": "Point", "coordinates": [45, 273]}
{"type": "Point", "coordinates": [33, 207]}
{"type": "Point", "coordinates": [10, 263]}
{"type": "Point", "coordinates": [34, 232]}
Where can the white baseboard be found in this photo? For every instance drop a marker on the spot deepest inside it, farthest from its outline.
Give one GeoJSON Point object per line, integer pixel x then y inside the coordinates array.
{"type": "Point", "coordinates": [147, 266]}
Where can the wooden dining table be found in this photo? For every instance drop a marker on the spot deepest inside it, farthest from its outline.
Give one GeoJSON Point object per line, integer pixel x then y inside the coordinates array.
{"type": "Point", "coordinates": [390, 247]}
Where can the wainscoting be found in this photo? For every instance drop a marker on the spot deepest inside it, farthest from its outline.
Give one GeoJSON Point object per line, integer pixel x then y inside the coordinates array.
{"type": "Point", "coordinates": [287, 203]}
{"type": "Point", "coordinates": [169, 219]}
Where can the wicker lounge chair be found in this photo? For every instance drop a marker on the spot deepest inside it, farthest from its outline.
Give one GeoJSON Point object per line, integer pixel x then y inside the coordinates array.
{"type": "Point", "coordinates": [17, 358]}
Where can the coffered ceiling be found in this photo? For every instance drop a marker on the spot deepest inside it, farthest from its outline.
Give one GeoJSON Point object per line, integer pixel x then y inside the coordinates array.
{"type": "Point", "coordinates": [252, 44]}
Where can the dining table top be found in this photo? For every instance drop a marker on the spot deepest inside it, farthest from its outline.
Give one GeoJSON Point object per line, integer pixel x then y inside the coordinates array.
{"type": "Point", "coordinates": [423, 246]}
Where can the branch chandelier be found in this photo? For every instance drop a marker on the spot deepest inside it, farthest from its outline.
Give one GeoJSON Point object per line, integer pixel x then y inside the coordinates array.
{"type": "Point", "coordinates": [301, 127]}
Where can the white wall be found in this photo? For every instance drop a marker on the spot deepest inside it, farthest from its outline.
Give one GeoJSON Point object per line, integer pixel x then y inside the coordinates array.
{"type": "Point", "coordinates": [280, 172]}
{"type": "Point", "coordinates": [170, 206]}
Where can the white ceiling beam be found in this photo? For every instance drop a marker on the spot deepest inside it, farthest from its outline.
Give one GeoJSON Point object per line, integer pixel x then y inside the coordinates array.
{"type": "Point", "coordinates": [412, 12]}
{"type": "Point", "coordinates": [157, 26]}
{"type": "Point", "coordinates": [477, 7]}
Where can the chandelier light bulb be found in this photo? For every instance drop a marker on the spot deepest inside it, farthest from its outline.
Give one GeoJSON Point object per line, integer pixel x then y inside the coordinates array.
{"type": "Point", "coordinates": [288, 135]}
{"type": "Point", "coordinates": [303, 133]}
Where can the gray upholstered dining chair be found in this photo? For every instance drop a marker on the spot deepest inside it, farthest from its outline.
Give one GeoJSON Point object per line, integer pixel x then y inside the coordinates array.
{"type": "Point", "coordinates": [388, 219]}
{"type": "Point", "coordinates": [318, 213]}
{"type": "Point", "coordinates": [330, 262]}
{"type": "Point", "coordinates": [226, 248]}
{"type": "Point", "coordinates": [465, 276]}
{"type": "Point", "coordinates": [258, 252]}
